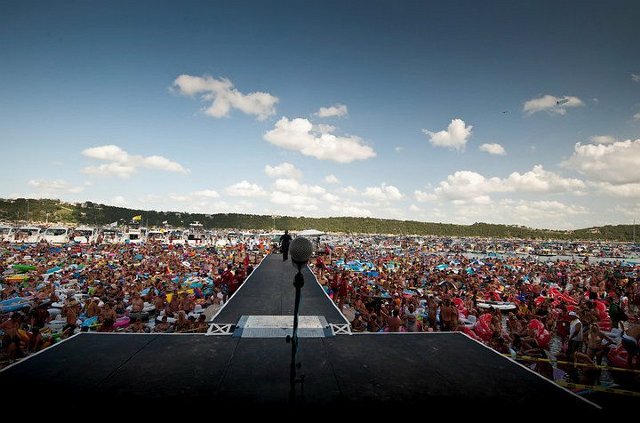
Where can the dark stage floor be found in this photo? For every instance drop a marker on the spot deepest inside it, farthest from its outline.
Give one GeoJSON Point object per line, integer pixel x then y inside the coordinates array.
{"type": "Point", "coordinates": [269, 291]}
{"type": "Point", "coordinates": [372, 373]}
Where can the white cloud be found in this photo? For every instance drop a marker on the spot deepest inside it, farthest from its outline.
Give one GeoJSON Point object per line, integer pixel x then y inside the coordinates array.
{"type": "Point", "coordinates": [295, 201]}
{"type": "Point", "coordinates": [635, 77]}
{"type": "Point", "coordinates": [414, 208]}
{"type": "Point", "coordinates": [298, 135]}
{"type": "Point", "coordinates": [465, 186]}
{"type": "Point", "coordinates": [398, 149]}
{"type": "Point", "coordinates": [423, 197]}
{"type": "Point", "coordinates": [331, 198]}
{"type": "Point", "coordinates": [122, 164]}
{"type": "Point", "coordinates": [543, 181]}
{"type": "Point", "coordinates": [536, 213]}
{"type": "Point", "coordinates": [245, 189]}
{"type": "Point", "coordinates": [331, 179]}
{"type": "Point", "coordinates": [162, 163]}
{"type": "Point", "coordinates": [383, 193]}
{"type": "Point", "coordinates": [337, 110]}
{"type": "Point", "coordinates": [207, 193]}
{"type": "Point", "coordinates": [493, 149]}
{"type": "Point", "coordinates": [283, 170]}
{"type": "Point", "coordinates": [636, 116]}
{"type": "Point", "coordinates": [631, 190]}
{"type": "Point", "coordinates": [302, 197]}
{"type": "Point", "coordinates": [57, 186]}
{"type": "Point", "coordinates": [454, 137]}
{"type": "Point", "coordinates": [551, 104]}
{"type": "Point", "coordinates": [110, 152]}
{"type": "Point", "coordinates": [615, 163]}
{"type": "Point", "coordinates": [181, 198]}
{"type": "Point", "coordinates": [323, 128]}
{"type": "Point", "coordinates": [631, 211]}
{"type": "Point", "coordinates": [603, 139]}
{"type": "Point", "coordinates": [293, 186]}
{"type": "Point", "coordinates": [348, 190]}
{"type": "Point", "coordinates": [110, 169]}
{"type": "Point", "coordinates": [119, 200]}
{"type": "Point", "coordinates": [351, 211]}
{"type": "Point", "coordinates": [223, 96]}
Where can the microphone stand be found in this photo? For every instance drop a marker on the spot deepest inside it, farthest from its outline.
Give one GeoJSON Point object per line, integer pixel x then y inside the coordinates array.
{"type": "Point", "coordinates": [298, 283]}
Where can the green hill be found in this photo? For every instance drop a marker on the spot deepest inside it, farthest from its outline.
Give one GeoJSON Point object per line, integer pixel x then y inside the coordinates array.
{"type": "Point", "coordinates": [99, 214]}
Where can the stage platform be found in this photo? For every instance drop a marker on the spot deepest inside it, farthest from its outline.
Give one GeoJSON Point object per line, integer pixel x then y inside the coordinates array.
{"type": "Point", "coordinates": [415, 373]}
{"type": "Point", "coordinates": [269, 292]}
{"type": "Point", "coordinates": [404, 374]}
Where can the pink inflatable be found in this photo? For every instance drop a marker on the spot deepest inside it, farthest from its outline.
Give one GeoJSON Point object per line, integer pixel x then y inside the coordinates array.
{"type": "Point", "coordinates": [122, 322]}
{"type": "Point", "coordinates": [536, 325]}
{"type": "Point", "coordinates": [483, 328]}
{"type": "Point", "coordinates": [471, 333]}
{"type": "Point", "coordinates": [617, 356]}
{"type": "Point", "coordinates": [543, 338]}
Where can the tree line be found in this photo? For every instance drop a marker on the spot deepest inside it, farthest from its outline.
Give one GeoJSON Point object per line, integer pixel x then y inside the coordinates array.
{"type": "Point", "coordinates": [46, 210]}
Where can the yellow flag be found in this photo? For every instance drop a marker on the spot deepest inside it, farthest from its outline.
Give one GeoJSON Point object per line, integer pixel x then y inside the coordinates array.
{"type": "Point", "coordinates": [137, 218]}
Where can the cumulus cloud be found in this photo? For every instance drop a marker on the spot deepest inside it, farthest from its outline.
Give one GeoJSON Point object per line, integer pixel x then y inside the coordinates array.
{"type": "Point", "coordinates": [543, 181]}
{"type": "Point", "coordinates": [414, 208]}
{"type": "Point", "coordinates": [454, 137]}
{"type": "Point", "coordinates": [301, 197]}
{"type": "Point", "coordinates": [551, 104]}
{"type": "Point", "coordinates": [245, 189]}
{"type": "Point", "coordinates": [337, 110]}
{"type": "Point", "coordinates": [423, 196]}
{"type": "Point", "coordinates": [221, 96]}
{"type": "Point", "coordinates": [631, 190]}
{"type": "Point", "coordinates": [324, 128]}
{"type": "Point", "coordinates": [110, 152]}
{"type": "Point", "coordinates": [283, 170]}
{"type": "Point", "coordinates": [541, 210]}
{"type": "Point", "coordinates": [615, 163]}
{"type": "Point", "coordinates": [533, 213]}
{"type": "Point", "coordinates": [207, 193]}
{"type": "Point", "coordinates": [351, 211]}
{"type": "Point", "coordinates": [199, 198]}
{"type": "Point", "coordinates": [603, 139]}
{"type": "Point", "coordinates": [122, 164]}
{"type": "Point", "coordinates": [383, 193]}
{"type": "Point", "coordinates": [465, 186]}
{"type": "Point", "coordinates": [635, 77]}
{"type": "Point", "coordinates": [496, 149]}
{"type": "Point", "coordinates": [348, 190]}
{"type": "Point", "coordinates": [631, 211]}
{"type": "Point", "coordinates": [291, 185]}
{"type": "Point", "coordinates": [58, 186]}
{"type": "Point", "coordinates": [636, 116]}
{"type": "Point", "coordinates": [298, 135]}
{"type": "Point", "coordinates": [331, 179]}
{"type": "Point", "coordinates": [119, 200]}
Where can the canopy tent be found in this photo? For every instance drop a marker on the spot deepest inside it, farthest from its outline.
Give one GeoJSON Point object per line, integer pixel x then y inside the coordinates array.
{"type": "Point", "coordinates": [310, 232]}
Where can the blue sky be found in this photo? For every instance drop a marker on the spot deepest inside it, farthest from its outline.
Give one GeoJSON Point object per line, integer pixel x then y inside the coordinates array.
{"type": "Point", "coordinates": [459, 112]}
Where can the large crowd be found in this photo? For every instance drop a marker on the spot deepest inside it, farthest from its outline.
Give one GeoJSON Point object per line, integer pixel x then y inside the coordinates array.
{"type": "Point", "coordinates": [553, 310]}
{"type": "Point", "coordinates": [48, 293]}
{"type": "Point", "coordinates": [565, 311]}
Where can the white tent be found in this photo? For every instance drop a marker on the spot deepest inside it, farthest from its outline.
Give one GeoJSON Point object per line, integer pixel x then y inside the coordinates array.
{"type": "Point", "coordinates": [310, 232]}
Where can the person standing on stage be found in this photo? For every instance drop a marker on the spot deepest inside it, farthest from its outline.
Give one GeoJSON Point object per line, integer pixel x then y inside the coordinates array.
{"type": "Point", "coordinates": [284, 245]}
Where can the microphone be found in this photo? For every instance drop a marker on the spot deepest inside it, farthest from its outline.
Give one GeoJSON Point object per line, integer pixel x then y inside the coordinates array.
{"type": "Point", "coordinates": [300, 250]}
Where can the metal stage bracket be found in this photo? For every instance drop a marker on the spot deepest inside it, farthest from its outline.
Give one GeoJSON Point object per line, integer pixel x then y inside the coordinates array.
{"type": "Point", "coordinates": [220, 329]}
